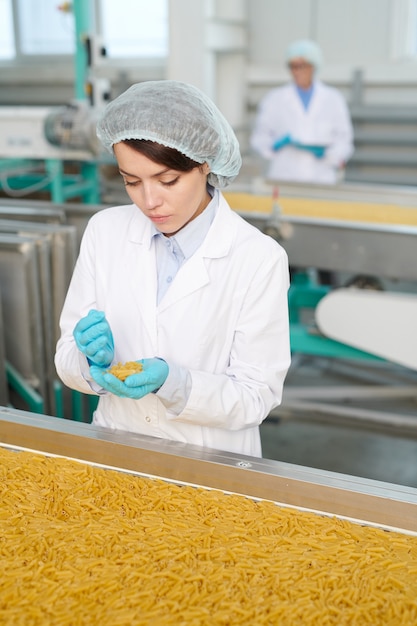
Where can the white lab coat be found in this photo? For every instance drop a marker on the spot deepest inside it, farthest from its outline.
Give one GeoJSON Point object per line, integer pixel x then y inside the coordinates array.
{"type": "Point", "coordinates": [224, 317]}
{"type": "Point", "coordinates": [326, 122]}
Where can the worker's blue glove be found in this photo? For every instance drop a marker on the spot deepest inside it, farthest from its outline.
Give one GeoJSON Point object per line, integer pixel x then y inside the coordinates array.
{"type": "Point", "coordinates": [94, 338]}
{"type": "Point", "coordinates": [285, 140]}
{"type": "Point", "coordinates": [317, 151]}
{"type": "Point", "coordinates": [135, 386]}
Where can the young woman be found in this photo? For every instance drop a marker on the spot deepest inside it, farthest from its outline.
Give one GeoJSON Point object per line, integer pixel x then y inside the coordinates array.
{"type": "Point", "coordinates": [177, 281]}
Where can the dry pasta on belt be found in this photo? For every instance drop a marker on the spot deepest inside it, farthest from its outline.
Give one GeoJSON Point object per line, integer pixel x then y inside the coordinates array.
{"type": "Point", "coordinates": [85, 545]}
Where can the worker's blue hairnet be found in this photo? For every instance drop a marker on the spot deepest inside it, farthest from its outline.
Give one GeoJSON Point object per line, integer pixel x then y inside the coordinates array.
{"type": "Point", "coordinates": [177, 115]}
{"type": "Point", "coordinates": [304, 49]}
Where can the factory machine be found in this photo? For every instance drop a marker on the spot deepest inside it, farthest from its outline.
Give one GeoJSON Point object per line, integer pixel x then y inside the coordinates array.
{"type": "Point", "coordinates": [352, 504]}
{"type": "Point", "coordinates": [39, 242]}
{"type": "Point", "coordinates": [350, 497]}
{"type": "Point", "coordinates": [51, 149]}
{"type": "Point", "coordinates": [364, 316]}
{"type": "Point", "coordinates": [54, 148]}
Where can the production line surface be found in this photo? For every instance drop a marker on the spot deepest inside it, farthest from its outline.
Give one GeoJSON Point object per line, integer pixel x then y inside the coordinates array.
{"type": "Point", "coordinates": [206, 556]}
{"type": "Point", "coordinates": [379, 205]}
{"type": "Point", "coordinates": [353, 231]}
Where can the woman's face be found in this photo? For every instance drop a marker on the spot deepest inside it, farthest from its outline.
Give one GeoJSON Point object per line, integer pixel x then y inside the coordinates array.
{"type": "Point", "coordinates": [302, 72]}
{"type": "Point", "coordinates": [169, 198]}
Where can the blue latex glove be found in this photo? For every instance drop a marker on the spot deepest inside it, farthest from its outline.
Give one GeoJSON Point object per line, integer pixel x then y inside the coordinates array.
{"type": "Point", "coordinates": [94, 338]}
{"type": "Point", "coordinates": [285, 140]}
{"type": "Point", "coordinates": [317, 151]}
{"type": "Point", "coordinates": [135, 386]}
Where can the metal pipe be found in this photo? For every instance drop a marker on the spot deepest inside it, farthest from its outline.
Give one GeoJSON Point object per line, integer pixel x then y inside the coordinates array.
{"type": "Point", "coordinates": [25, 391]}
{"type": "Point", "coordinates": [365, 415]}
{"type": "Point", "coordinates": [83, 19]}
{"type": "Point", "coordinates": [350, 392]}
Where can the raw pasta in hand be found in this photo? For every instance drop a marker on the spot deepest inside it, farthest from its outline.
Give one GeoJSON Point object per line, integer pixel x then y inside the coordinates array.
{"type": "Point", "coordinates": [123, 370]}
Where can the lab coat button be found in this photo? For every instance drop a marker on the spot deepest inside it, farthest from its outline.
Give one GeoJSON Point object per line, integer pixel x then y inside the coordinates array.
{"type": "Point", "coordinates": [147, 418]}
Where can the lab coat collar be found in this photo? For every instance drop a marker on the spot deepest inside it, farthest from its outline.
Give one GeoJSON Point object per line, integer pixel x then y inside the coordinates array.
{"type": "Point", "coordinates": [140, 228]}
{"type": "Point", "coordinates": [221, 234]}
{"type": "Point", "coordinates": [193, 275]}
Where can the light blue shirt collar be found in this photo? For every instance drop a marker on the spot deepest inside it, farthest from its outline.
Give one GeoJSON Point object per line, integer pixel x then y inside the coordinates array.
{"type": "Point", "coordinates": [191, 236]}
{"type": "Point", "coordinates": [172, 252]}
{"type": "Point", "coordinates": [305, 95]}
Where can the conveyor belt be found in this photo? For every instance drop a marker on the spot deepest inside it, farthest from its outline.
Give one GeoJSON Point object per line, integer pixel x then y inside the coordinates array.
{"type": "Point", "coordinates": [367, 212]}
{"type": "Point", "coordinates": [84, 544]}
{"type": "Point", "coordinates": [341, 234]}
{"type": "Point", "coordinates": [373, 502]}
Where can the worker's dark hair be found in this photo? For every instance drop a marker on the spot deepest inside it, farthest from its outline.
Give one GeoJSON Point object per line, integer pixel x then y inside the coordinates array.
{"type": "Point", "coordinates": [163, 154]}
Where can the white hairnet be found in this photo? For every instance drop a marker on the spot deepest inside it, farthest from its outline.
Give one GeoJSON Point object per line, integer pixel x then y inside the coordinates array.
{"type": "Point", "coordinates": [177, 115]}
{"type": "Point", "coordinates": [304, 49]}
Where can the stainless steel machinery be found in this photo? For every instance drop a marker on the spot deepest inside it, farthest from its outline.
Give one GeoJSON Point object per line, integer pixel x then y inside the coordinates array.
{"type": "Point", "coordinates": [369, 501]}
{"type": "Point", "coordinates": [365, 236]}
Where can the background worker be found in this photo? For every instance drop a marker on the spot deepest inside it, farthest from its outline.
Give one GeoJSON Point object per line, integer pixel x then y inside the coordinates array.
{"type": "Point", "coordinates": [304, 128]}
{"type": "Point", "coordinates": [178, 281]}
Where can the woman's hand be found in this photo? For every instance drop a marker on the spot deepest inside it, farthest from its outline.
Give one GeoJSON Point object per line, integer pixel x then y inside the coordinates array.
{"type": "Point", "coordinates": [135, 386]}
{"type": "Point", "coordinates": [94, 338]}
{"type": "Point", "coordinates": [283, 141]}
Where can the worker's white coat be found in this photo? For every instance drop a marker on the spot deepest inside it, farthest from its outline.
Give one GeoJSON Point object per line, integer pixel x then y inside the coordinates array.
{"type": "Point", "coordinates": [326, 122]}
{"type": "Point", "coordinates": [224, 317]}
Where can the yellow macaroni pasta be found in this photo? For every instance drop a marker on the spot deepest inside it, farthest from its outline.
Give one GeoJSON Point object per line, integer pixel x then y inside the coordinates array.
{"type": "Point", "coordinates": [83, 545]}
{"type": "Point", "coordinates": [123, 370]}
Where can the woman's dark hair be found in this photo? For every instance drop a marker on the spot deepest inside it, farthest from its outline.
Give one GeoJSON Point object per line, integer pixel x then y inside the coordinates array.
{"type": "Point", "coordinates": [162, 154]}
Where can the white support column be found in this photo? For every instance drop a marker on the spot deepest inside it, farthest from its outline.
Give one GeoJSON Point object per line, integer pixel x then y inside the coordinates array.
{"type": "Point", "coordinates": [186, 59]}
{"type": "Point", "coordinates": [208, 40]}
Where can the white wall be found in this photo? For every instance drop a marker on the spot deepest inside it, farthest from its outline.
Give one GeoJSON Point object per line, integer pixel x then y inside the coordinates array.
{"type": "Point", "coordinates": [208, 48]}
{"type": "Point", "coordinates": [373, 36]}
{"type": "Point", "coordinates": [234, 49]}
